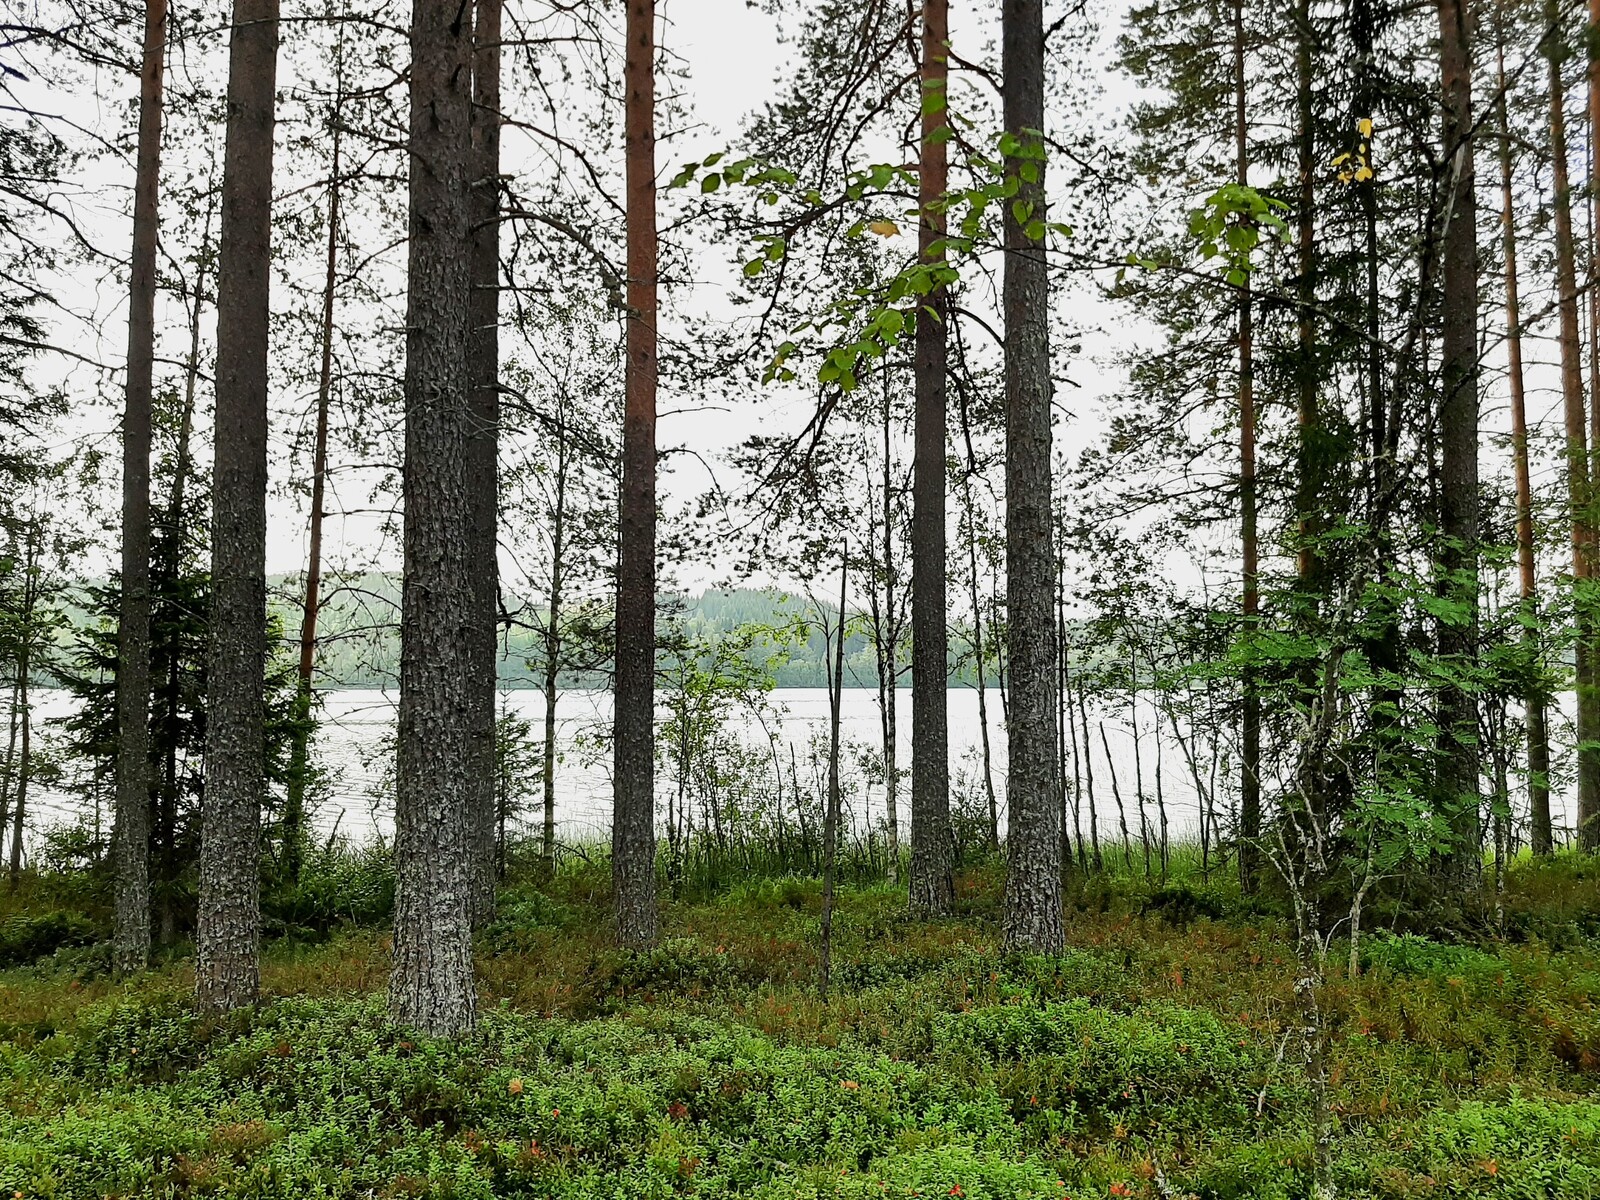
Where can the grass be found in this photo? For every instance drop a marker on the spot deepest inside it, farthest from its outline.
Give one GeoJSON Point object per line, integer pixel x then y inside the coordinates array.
{"type": "Point", "coordinates": [1157, 1058]}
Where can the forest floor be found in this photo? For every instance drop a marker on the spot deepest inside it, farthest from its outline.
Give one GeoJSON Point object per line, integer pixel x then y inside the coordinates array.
{"type": "Point", "coordinates": [1157, 1058]}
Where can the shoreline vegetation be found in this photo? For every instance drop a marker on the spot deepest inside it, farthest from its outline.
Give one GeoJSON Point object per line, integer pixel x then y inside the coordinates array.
{"type": "Point", "coordinates": [1155, 1058]}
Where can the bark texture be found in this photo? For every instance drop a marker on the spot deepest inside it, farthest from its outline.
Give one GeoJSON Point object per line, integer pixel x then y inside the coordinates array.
{"type": "Point", "coordinates": [484, 449]}
{"type": "Point", "coordinates": [431, 987]}
{"type": "Point", "coordinates": [1250, 725]}
{"type": "Point", "coordinates": [1033, 840]}
{"type": "Point", "coordinates": [227, 971]}
{"type": "Point", "coordinates": [1588, 641]}
{"type": "Point", "coordinates": [932, 890]}
{"type": "Point", "coordinates": [130, 938]}
{"type": "Point", "coordinates": [633, 833]}
{"type": "Point", "coordinates": [1458, 441]}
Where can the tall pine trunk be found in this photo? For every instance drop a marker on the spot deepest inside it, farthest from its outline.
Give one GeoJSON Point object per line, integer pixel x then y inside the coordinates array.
{"type": "Point", "coordinates": [483, 449]}
{"type": "Point", "coordinates": [1577, 434]}
{"type": "Point", "coordinates": [931, 886]}
{"type": "Point", "coordinates": [1534, 701]}
{"type": "Point", "coordinates": [294, 807]}
{"type": "Point", "coordinates": [633, 834]}
{"type": "Point", "coordinates": [130, 938]}
{"type": "Point", "coordinates": [1457, 776]}
{"type": "Point", "coordinates": [1033, 839]}
{"type": "Point", "coordinates": [1588, 634]}
{"type": "Point", "coordinates": [1250, 604]}
{"type": "Point", "coordinates": [227, 971]}
{"type": "Point", "coordinates": [431, 987]}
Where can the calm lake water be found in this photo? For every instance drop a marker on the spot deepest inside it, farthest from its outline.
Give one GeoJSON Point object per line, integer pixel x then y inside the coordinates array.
{"type": "Point", "coordinates": [357, 728]}
{"type": "Point", "coordinates": [356, 731]}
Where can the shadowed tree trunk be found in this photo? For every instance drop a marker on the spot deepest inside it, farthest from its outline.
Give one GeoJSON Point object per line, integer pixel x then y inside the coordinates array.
{"type": "Point", "coordinates": [633, 834]}
{"type": "Point", "coordinates": [1033, 834]}
{"type": "Point", "coordinates": [1458, 442]}
{"type": "Point", "coordinates": [130, 938]}
{"type": "Point", "coordinates": [294, 807]}
{"type": "Point", "coordinates": [931, 887]}
{"type": "Point", "coordinates": [483, 470]}
{"type": "Point", "coordinates": [1250, 733]}
{"type": "Point", "coordinates": [431, 987]}
{"type": "Point", "coordinates": [1588, 640]}
{"type": "Point", "coordinates": [1535, 700]}
{"type": "Point", "coordinates": [24, 706]}
{"type": "Point", "coordinates": [227, 971]}
{"type": "Point", "coordinates": [1577, 449]}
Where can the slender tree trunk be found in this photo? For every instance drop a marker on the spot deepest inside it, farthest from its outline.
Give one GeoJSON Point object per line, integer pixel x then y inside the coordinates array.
{"type": "Point", "coordinates": [552, 644]}
{"type": "Point", "coordinates": [1122, 809]}
{"type": "Point", "coordinates": [30, 601]}
{"type": "Point", "coordinates": [1033, 837]}
{"type": "Point", "coordinates": [1535, 700]}
{"type": "Point", "coordinates": [1250, 605]}
{"type": "Point", "coordinates": [889, 659]}
{"type": "Point", "coordinates": [1076, 751]}
{"type": "Point", "coordinates": [14, 725]}
{"type": "Point", "coordinates": [483, 446]}
{"type": "Point", "coordinates": [1088, 782]}
{"type": "Point", "coordinates": [431, 987]}
{"type": "Point", "coordinates": [130, 936]}
{"type": "Point", "coordinates": [633, 834]}
{"type": "Point", "coordinates": [1458, 435]}
{"type": "Point", "coordinates": [1138, 757]}
{"type": "Point", "coordinates": [294, 807]}
{"type": "Point", "coordinates": [983, 688]}
{"type": "Point", "coordinates": [830, 824]}
{"type": "Point", "coordinates": [1588, 633]}
{"type": "Point", "coordinates": [932, 890]}
{"type": "Point", "coordinates": [1062, 724]}
{"type": "Point", "coordinates": [227, 973]}
{"type": "Point", "coordinates": [1577, 450]}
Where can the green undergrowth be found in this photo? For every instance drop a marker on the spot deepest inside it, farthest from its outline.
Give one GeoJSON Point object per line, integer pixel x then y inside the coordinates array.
{"type": "Point", "coordinates": [1157, 1058]}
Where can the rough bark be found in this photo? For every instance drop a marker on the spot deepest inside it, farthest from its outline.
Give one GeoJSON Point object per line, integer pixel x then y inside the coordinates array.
{"type": "Point", "coordinates": [1032, 918]}
{"type": "Point", "coordinates": [227, 971]}
{"type": "Point", "coordinates": [1534, 701]}
{"type": "Point", "coordinates": [931, 887]}
{"type": "Point", "coordinates": [1250, 605]}
{"type": "Point", "coordinates": [633, 835]}
{"type": "Point", "coordinates": [431, 987]}
{"type": "Point", "coordinates": [484, 448]}
{"type": "Point", "coordinates": [130, 935]}
{"type": "Point", "coordinates": [1588, 641]}
{"type": "Point", "coordinates": [294, 807]}
{"type": "Point", "coordinates": [1577, 449]}
{"type": "Point", "coordinates": [1458, 769]}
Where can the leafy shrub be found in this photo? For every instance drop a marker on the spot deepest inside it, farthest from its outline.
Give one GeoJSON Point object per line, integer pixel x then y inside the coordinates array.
{"type": "Point", "coordinates": [520, 914]}
{"type": "Point", "coordinates": [1181, 905]}
{"type": "Point", "coordinates": [1407, 954]}
{"type": "Point", "coordinates": [338, 887]}
{"type": "Point", "coordinates": [1179, 1065]}
{"type": "Point", "coordinates": [25, 939]}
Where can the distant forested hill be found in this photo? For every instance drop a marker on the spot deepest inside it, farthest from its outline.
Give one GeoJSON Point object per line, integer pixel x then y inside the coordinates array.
{"type": "Point", "coordinates": [360, 640]}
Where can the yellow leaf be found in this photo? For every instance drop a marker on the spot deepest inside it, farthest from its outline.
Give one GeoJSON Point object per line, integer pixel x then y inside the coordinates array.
{"type": "Point", "coordinates": [1365, 126]}
{"type": "Point", "coordinates": [1363, 173]}
{"type": "Point", "coordinates": [1341, 158]}
{"type": "Point", "coordinates": [884, 228]}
